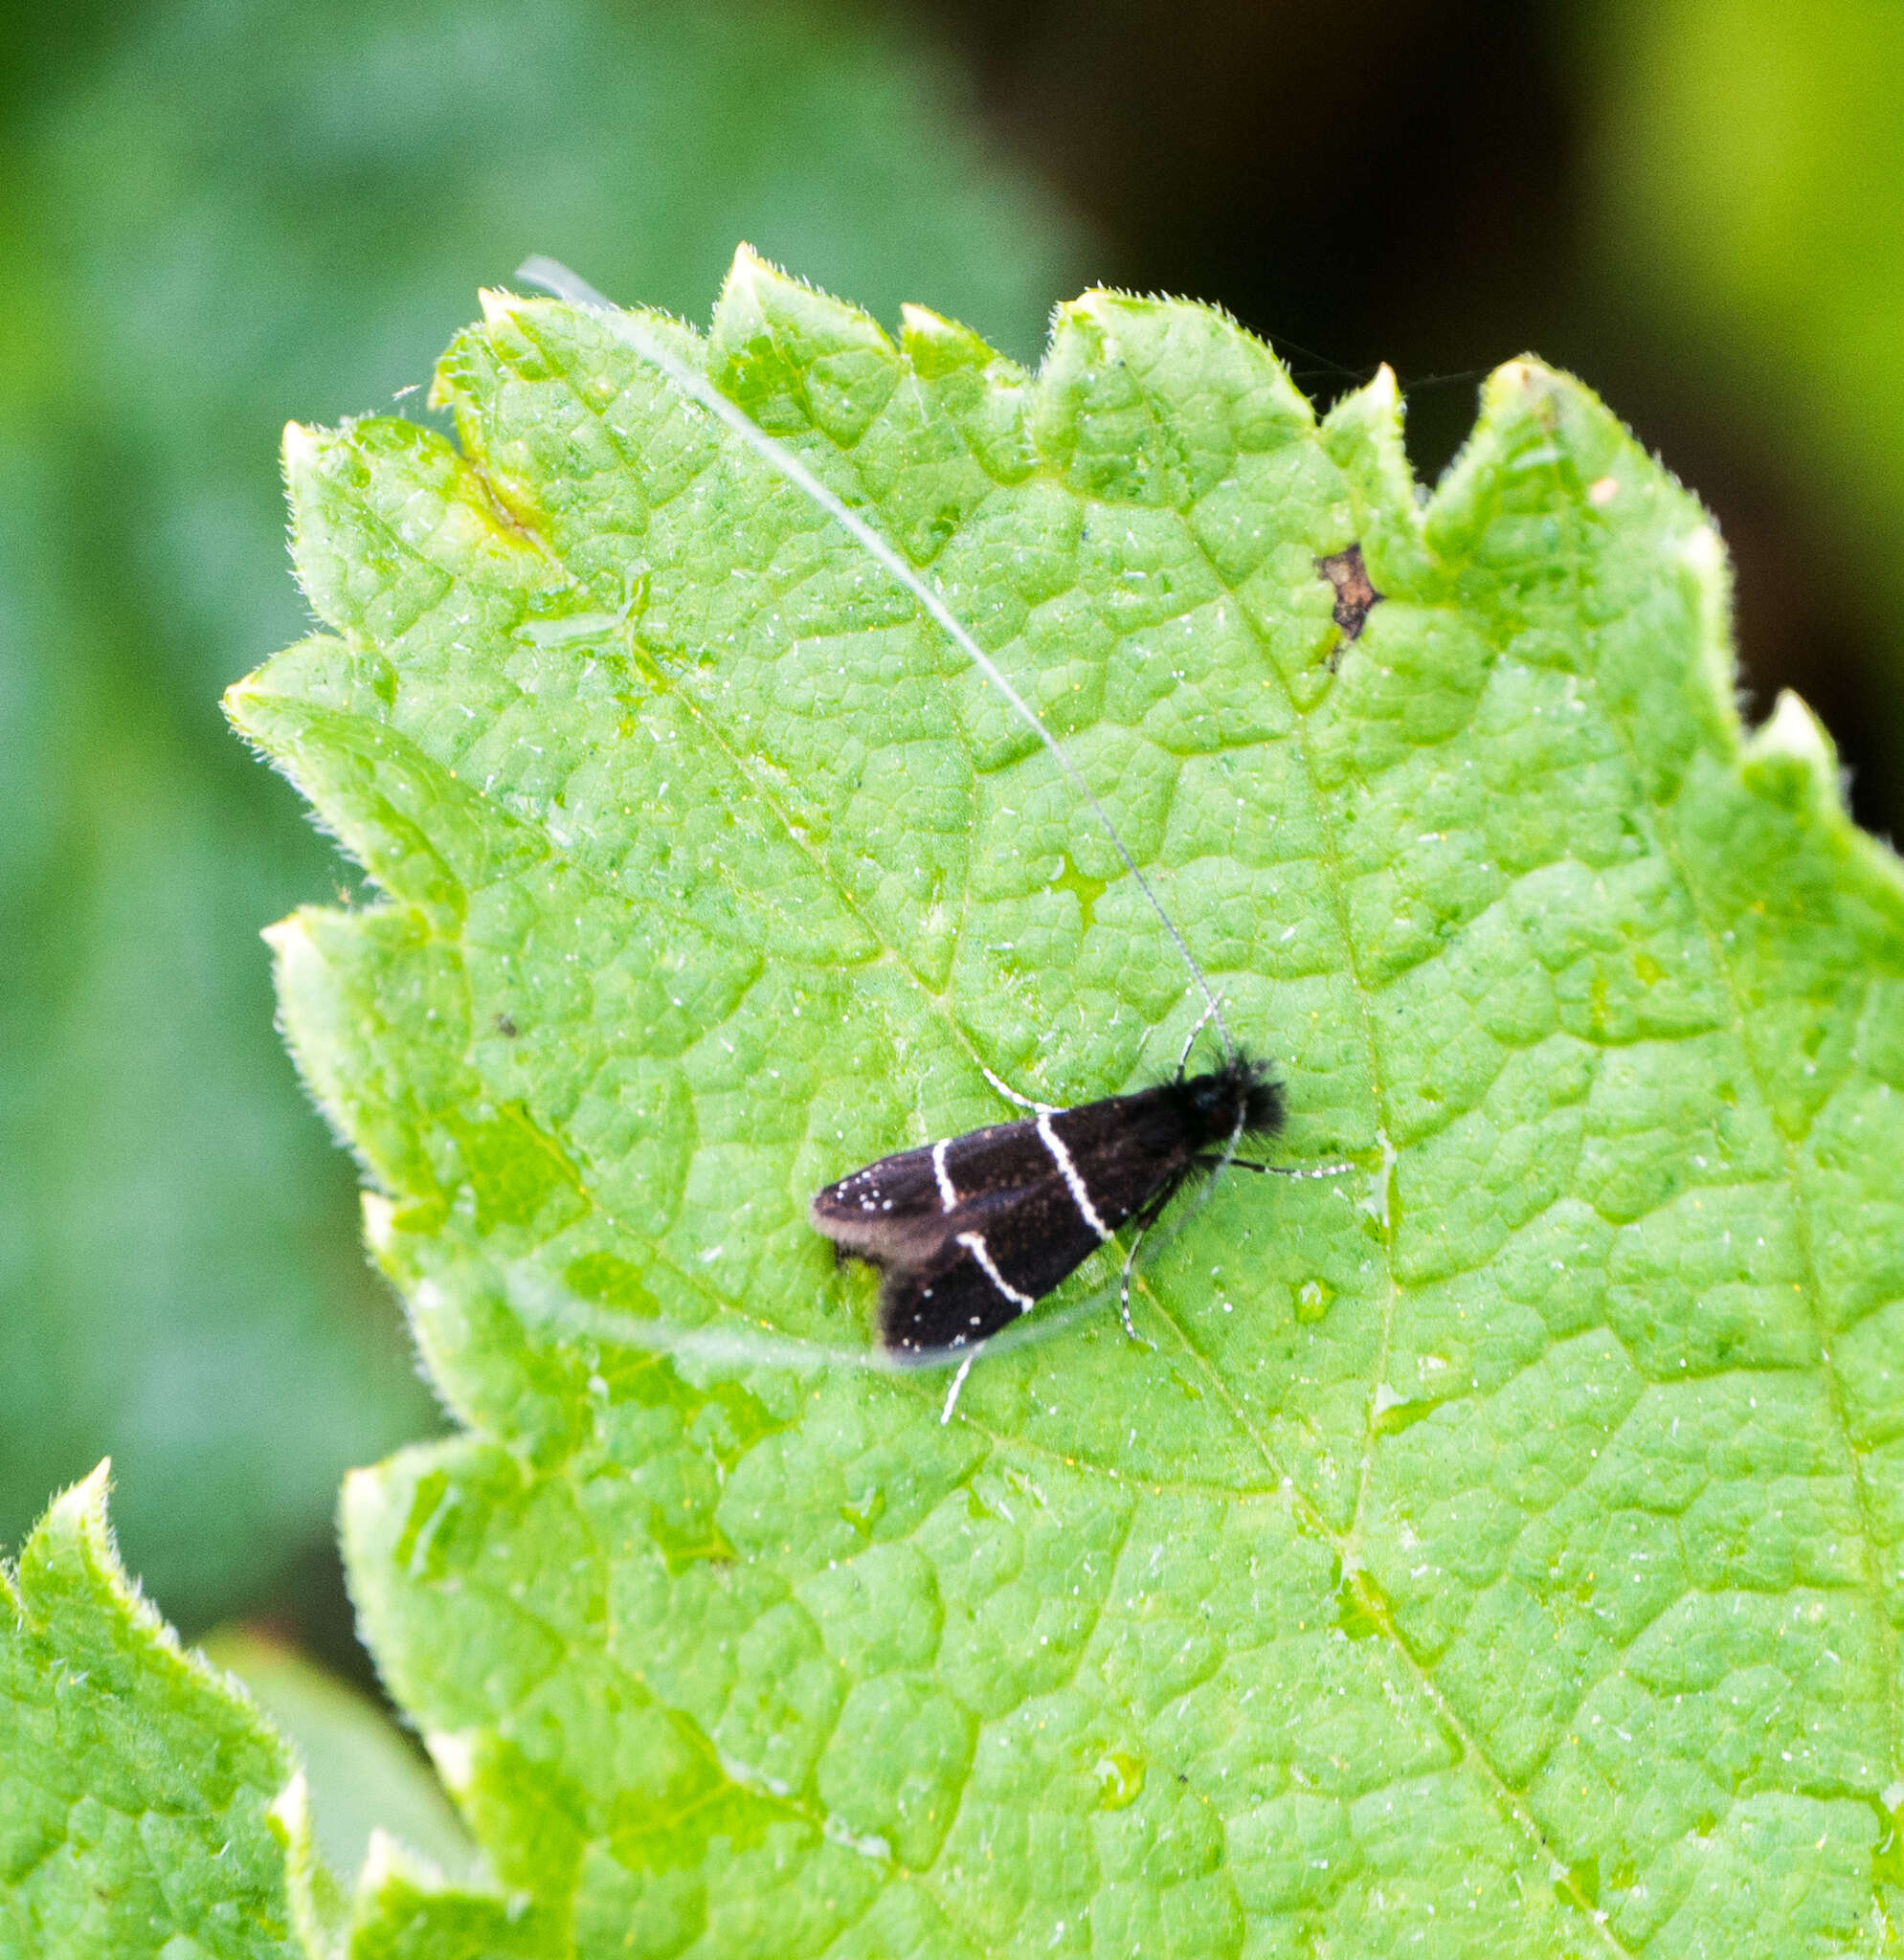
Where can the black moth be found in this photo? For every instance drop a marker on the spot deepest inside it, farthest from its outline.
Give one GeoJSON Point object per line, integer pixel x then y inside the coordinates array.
{"type": "Point", "coordinates": [973, 1231]}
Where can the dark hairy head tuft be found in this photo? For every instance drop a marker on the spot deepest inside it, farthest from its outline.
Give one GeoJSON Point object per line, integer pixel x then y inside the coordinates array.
{"type": "Point", "coordinates": [1239, 1087]}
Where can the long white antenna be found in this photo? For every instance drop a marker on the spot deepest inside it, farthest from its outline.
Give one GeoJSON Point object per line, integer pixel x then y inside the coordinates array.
{"type": "Point", "coordinates": [555, 277]}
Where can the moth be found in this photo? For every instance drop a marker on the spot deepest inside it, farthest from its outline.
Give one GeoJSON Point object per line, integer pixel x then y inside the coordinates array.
{"type": "Point", "coordinates": [970, 1231]}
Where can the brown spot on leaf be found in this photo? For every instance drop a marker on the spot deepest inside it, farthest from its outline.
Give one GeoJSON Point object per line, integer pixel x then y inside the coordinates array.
{"type": "Point", "coordinates": [1354, 595]}
{"type": "Point", "coordinates": [505, 1027]}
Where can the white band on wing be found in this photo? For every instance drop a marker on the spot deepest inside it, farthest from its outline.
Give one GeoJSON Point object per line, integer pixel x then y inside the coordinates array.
{"type": "Point", "coordinates": [975, 1243]}
{"type": "Point", "coordinates": [1069, 1172]}
{"type": "Point", "coordinates": [947, 1196]}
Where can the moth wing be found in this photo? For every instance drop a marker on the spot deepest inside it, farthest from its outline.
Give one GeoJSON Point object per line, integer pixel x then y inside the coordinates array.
{"type": "Point", "coordinates": [925, 1310]}
{"type": "Point", "coordinates": [1127, 1150]}
{"type": "Point", "coordinates": [955, 1273]}
{"type": "Point", "coordinates": [892, 1214]}
{"type": "Point", "coordinates": [1002, 1254]}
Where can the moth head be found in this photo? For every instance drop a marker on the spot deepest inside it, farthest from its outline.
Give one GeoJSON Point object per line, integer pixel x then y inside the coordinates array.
{"type": "Point", "coordinates": [1240, 1095]}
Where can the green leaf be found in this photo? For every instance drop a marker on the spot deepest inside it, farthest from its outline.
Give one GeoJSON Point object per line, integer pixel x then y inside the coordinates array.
{"type": "Point", "coordinates": [148, 1806]}
{"type": "Point", "coordinates": [1496, 1551]}
{"type": "Point", "coordinates": [401, 1909]}
{"type": "Point", "coordinates": [362, 1775]}
{"type": "Point", "coordinates": [135, 1783]}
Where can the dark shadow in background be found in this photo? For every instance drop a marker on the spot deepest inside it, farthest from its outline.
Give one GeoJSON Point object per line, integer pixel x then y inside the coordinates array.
{"type": "Point", "coordinates": [1405, 180]}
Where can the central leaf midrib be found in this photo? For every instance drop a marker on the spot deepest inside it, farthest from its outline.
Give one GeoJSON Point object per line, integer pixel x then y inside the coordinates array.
{"type": "Point", "coordinates": [1500, 1794]}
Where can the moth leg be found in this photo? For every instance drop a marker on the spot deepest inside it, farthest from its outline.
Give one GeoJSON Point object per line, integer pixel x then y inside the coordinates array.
{"type": "Point", "coordinates": [1011, 1095]}
{"type": "Point", "coordinates": [957, 1383]}
{"type": "Point", "coordinates": [1124, 1292]}
{"type": "Point", "coordinates": [1146, 1219]}
{"type": "Point", "coordinates": [1273, 1169]}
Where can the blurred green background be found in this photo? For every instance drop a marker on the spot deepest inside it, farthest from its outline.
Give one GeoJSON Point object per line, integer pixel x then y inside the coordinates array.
{"type": "Point", "coordinates": [217, 216]}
